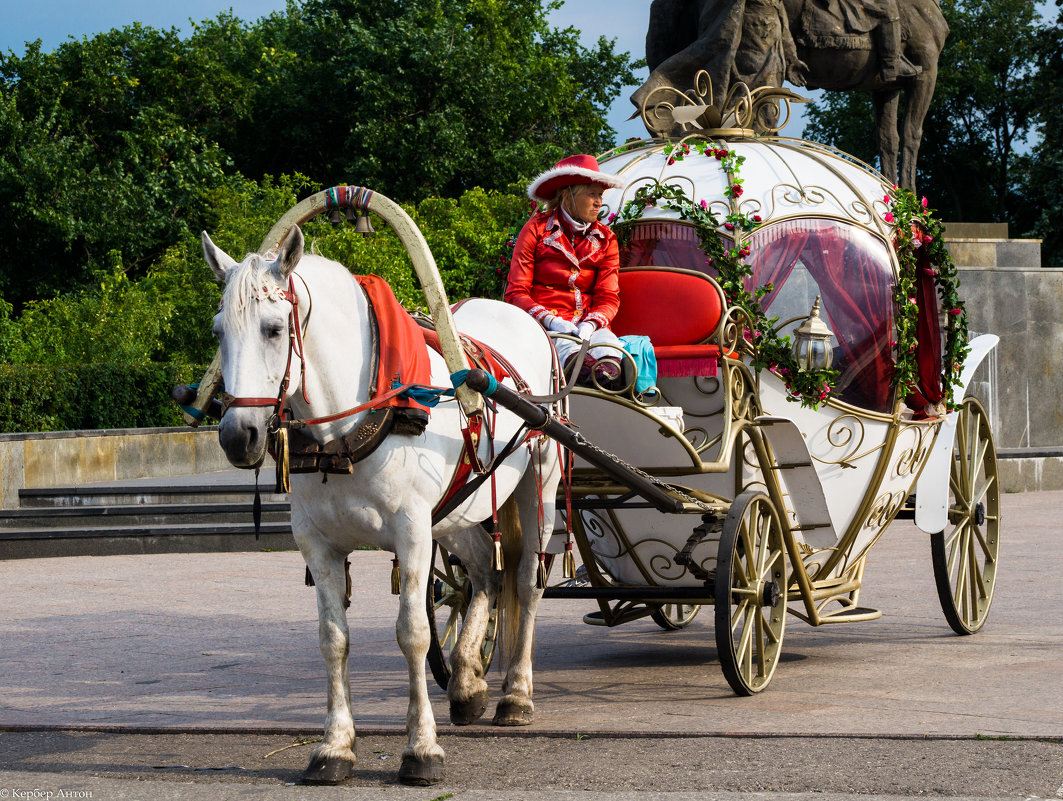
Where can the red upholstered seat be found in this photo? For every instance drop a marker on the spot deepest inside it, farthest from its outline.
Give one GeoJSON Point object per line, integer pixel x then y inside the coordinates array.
{"type": "Point", "coordinates": [678, 310]}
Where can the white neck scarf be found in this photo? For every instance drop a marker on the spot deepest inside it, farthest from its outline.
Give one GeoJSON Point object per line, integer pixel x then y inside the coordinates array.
{"type": "Point", "coordinates": [578, 227]}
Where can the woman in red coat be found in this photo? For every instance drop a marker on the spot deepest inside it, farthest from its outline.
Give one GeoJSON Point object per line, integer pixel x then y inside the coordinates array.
{"type": "Point", "coordinates": [565, 265]}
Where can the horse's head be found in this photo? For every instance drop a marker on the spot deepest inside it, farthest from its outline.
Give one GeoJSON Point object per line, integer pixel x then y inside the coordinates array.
{"type": "Point", "coordinates": [252, 328]}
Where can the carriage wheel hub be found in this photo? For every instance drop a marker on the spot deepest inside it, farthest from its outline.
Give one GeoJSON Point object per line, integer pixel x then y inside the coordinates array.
{"type": "Point", "coordinates": [770, 594]}
{"type": "Point", "coordinates": [979, 513]}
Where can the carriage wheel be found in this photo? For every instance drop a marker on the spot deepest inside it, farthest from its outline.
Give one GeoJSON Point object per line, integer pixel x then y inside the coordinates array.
{"type": "Point", "coordinates": [750, 593]}
{"type": "Point", "coordinates": [672, 617]}
{"type": "Point", "coordinates": [449, 594]}
{"type": "Point", "coordinates": [965, 554]}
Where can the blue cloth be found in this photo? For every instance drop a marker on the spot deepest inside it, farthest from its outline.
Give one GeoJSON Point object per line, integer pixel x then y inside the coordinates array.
{"type": "Point", "coordinates": [641, 350]}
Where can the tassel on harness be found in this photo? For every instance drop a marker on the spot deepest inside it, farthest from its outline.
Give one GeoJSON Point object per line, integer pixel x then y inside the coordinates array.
{"type": "Point", "coordinates": [497, 561]}
{"type": "Point", "coordinates": [395, 577]}
{"type": "Point", "coordinates": [540, 575]}
{"type": "Point", "coordinates": [568, 565]}
{"type": "Point", "coordinates": [284, 482]}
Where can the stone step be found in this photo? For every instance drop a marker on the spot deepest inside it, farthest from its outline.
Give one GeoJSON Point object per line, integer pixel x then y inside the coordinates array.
{"type": "Point", "coordinates": [141, 514]}
{"type": "Point", "coordinates": [113, 540]}
{"type": "Point", "coordinates": [140, 493]}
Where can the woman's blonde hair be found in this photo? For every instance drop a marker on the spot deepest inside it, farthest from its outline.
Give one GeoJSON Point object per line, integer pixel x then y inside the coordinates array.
{"type": "Point", "coordinates": [575, 189]}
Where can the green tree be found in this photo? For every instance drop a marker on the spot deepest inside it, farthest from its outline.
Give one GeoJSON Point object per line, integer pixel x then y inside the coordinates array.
{"type": "Point", "coordinates": [426, 97]}
{"type": "Point", "coordinates": [1041, 206]}
{"type": "Point", "coordinates": [982, 112]}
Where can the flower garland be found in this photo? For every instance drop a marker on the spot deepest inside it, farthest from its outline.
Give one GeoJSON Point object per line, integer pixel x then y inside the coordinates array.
{"type": "Point", "coordinates": [919, 240]}
{"type": "Point", "coordinates": [770, 351]}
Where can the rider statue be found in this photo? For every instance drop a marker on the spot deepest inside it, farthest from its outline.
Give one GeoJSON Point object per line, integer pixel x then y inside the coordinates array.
{"type": "Point", "coordinates": [887, 32]}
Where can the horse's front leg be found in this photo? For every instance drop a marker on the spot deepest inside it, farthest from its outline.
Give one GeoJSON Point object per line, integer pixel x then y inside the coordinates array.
{"type": "Point", "coordinates": [333, 760]}
{"type": "Point", "coordinates": [422, 759]}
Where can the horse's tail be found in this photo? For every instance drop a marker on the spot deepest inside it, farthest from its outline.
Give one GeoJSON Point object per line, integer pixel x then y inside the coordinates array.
{"type": "Point", "coordinates": [508, 598]}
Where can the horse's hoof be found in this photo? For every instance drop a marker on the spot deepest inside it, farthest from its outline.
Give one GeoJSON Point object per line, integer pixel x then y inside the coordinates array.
{"type": "Point", "coordinates": [421, 773]}
{"type": "Point", "coordinates": [512, 713]}
{"type": "Point", "coordinates": [327, 770]}
{"type": "Point", "coordinates": [462, 713]}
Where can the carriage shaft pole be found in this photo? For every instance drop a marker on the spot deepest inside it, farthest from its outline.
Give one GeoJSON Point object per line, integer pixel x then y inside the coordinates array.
{"type": "Point", "coordinates": [539, 419]}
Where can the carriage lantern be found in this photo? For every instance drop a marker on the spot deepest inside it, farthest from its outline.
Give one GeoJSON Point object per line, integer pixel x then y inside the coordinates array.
{"type": "Point", "coordinates": [811, 346]}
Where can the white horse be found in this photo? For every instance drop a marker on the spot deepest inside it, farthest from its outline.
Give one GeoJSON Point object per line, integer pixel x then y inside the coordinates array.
{"type": "Point", "coordinates": [388, 501]}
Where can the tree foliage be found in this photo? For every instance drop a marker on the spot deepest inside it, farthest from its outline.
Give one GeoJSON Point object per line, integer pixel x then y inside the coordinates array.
{"type": "Point", "coordinates": [985, 106]}
{"type": "Point", "coordinates": [111, 147]}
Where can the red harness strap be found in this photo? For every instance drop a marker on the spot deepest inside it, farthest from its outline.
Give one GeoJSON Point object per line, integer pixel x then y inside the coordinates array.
{"type": "Point", "coordinates": [489, 360]}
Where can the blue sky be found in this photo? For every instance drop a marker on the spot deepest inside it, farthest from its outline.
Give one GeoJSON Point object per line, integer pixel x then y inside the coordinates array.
{"type": "Point", "coordinates": [54, 21]}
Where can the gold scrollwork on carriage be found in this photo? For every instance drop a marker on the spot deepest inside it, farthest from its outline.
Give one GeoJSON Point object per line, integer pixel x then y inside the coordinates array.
{"type": "Point", "coordinates": [743, 111]}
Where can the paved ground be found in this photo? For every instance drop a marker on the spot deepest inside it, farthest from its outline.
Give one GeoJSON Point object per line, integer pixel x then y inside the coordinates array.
{"type": "Point", "coordinates": [192, 668]}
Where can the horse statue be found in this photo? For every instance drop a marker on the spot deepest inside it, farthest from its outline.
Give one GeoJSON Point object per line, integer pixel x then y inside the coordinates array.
{"type": "Point", "coordinates": [837, 45]}
{"type": "Point", "coordinates": [296, 337]}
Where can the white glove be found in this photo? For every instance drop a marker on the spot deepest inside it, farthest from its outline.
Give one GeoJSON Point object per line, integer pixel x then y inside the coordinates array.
{"type": "Point", "coordinates": [586, 329]}
{"type": "Point", "coordinates": [560, 325]}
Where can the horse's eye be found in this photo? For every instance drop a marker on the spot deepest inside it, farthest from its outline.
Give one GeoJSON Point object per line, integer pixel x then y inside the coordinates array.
{"type": "Point", "coordinates": [274, 331]}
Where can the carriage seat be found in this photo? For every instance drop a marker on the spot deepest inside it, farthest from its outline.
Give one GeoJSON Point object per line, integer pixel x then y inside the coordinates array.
{"type": "Point", "coordinates": [679, 310]}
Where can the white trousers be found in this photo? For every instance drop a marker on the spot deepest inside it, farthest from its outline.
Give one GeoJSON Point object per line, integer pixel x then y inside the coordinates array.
{"type": "Point", "coordinates": [600, 340]}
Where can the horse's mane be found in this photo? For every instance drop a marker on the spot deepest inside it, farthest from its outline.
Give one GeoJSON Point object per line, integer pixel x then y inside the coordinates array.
{"type": "Point", "coordinates": [250, 280]}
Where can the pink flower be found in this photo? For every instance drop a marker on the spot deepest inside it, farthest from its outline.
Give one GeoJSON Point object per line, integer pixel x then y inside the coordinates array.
{"type": "Point", "coordinates": [924, 201]}
{"type": "Point", "coordinates": [729, 226]}
{"type": "Point", "coordinates": [704, 204]}
{"type": "Point", "coordinates": [756, 218]}
{"type": "Point", "coordinates": [671, 162]}
{"type": "Point", "coordinates": [955, 312]}
{"type": "Point", "coordinates": [888, 218]}
{"type": "Point", "coordinates": [612, 218]}
{"type": "Point", "coordinates": [886, 199]}
{"type": "Point", "coordinates": [929, 239]}
{"type": "Point", "coordinates": [737, 190]}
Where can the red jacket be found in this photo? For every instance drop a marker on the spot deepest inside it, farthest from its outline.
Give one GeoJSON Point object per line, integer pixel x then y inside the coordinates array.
{"type": "Point", "coordinates": [548, 275]}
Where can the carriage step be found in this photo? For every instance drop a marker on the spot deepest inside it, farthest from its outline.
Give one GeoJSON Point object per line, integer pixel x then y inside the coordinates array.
{"type": "Point", "coordinates": [852, 614]}
{"type": "Point", "coordinates": [142, 539]}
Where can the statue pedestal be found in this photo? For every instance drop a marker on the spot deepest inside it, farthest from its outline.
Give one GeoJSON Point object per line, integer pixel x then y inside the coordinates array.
{"type": "Point", "coordinates": [1007, 292]}
{"type": "Point", "coordinates": [988, 245]}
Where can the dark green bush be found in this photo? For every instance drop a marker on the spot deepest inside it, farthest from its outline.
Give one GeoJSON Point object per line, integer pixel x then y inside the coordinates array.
{"type": "Point", "coordinates": [90, 396]}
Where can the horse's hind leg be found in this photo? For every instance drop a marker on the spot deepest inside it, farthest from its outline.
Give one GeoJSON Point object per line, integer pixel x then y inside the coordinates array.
{"type": "Point", "coordinates": [535, 500]}
{"type": "Point", "coordinates": [333, 760]}
{"type": "Point", "coordinates": [467, 690]}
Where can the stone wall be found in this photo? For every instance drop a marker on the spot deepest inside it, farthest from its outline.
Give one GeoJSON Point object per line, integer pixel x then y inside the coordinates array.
{"type": "Point", "coordinates": [70, 458]}
{"type": "Point", "coordinates": [1021, 381]}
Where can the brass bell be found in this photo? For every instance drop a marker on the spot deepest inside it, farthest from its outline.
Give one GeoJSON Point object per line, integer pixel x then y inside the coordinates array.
{"type": "Point", "coordinates": [335, 217]}
{"type": "Point", "coordinates": [364, 226]}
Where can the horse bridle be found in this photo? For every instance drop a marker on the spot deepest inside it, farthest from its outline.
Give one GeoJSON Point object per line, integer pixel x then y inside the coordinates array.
{"type": "Point", "coordinates": [295, 346]}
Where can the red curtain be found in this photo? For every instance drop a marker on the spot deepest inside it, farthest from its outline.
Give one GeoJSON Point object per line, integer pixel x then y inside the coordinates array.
{"type": "Point", "coordinates": [855, 281]}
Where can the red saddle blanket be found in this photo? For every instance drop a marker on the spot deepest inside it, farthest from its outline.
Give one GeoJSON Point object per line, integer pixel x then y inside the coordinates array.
{"type": "Point", "coordinates": [403, 344]}
{"type": "Point", "coordinates": [403, 357]}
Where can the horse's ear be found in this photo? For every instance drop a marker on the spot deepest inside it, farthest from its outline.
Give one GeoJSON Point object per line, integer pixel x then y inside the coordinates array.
{"type": "Point", "coordinates": [217, 259]}
{"type": "Point", "coordinates": [291, 251]}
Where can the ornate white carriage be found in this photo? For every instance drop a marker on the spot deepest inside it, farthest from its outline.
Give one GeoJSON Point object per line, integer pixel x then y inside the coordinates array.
{"type": "Point", "coordinates": [736, 248]}
{"type": "Point", "coordinates": [787, 497]}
